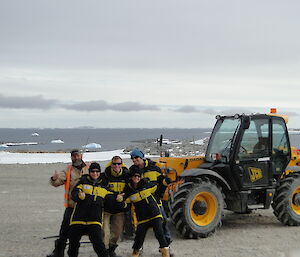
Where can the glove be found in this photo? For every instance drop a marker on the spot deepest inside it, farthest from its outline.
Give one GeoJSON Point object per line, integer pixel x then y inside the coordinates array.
{"type": "Point", "coordinates": [81, 195]}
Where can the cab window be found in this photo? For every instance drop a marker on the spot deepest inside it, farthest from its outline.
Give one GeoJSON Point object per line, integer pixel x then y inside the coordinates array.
{"type": "Point", "coordinates": [255, 141]}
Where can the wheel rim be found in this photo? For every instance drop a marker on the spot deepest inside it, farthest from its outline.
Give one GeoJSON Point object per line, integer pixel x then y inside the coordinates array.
{"type": "Point", "coordinates": [295, 207]}
{"type": "Point", "coordinates": [206, 199]}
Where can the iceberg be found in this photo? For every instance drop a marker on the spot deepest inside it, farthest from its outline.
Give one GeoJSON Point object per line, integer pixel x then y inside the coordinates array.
{"type": "Point", "coordinates": [35, 134]}
{"type": "Point", "coordinates": [92, 146]}
{"type": "Point", "coordinates": [57, 141]}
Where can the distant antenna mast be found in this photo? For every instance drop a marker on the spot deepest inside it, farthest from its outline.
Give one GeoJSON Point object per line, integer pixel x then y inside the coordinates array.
{"type": "Point", "coordinates": [194, 145]}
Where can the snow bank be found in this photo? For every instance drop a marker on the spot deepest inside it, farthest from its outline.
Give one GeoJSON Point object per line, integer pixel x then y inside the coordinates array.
{"type": "Point", "coordinates": [26, 158]}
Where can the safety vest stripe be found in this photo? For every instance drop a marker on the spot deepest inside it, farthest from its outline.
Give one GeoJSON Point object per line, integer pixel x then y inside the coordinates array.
{"type": "Point", "coordinates": [67, 185]}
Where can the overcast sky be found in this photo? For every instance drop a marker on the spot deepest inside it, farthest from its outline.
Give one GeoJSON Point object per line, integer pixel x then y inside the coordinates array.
{"type": "Point", "coordinates": [146, 63]}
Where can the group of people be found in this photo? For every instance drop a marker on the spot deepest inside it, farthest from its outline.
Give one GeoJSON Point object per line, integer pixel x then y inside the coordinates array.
{"type": "Point", "coordinates": [96, 203]}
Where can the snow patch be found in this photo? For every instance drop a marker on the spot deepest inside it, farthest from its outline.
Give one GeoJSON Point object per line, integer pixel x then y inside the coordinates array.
{"type": "Point", "coordinates": [26, 158]}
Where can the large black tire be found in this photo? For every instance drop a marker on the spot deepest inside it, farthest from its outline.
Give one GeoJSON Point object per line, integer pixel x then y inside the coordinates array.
{"type": "Point", "coordinates": [196, 208]}
{"type": "Point", "coordinates": [285, 205]}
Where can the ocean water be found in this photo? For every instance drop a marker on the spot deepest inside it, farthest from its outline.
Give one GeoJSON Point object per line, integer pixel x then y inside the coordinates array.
{"type": "Point", "coordinates": [109, 139]}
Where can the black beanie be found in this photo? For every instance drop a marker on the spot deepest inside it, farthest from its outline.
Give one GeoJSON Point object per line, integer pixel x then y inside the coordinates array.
{"type": "Point", "coordinates": [75, 151]}
{"type": "Point", "coordinates": [135, 171]}
{"type": "Point", "coordinates": [94, 166]}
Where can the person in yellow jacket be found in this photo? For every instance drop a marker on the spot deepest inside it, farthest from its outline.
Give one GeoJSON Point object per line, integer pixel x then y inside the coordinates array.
{"type": "Point", "coordinates": [90, 196]}
{"type": "Point", "coordinates": [115, 176]}
{"type": "Point", "coordinates": [69, 178]}
{"type": "Point", "coordinates": [141, 193]}
{"type": "Point", "coordinates": [152, 172]}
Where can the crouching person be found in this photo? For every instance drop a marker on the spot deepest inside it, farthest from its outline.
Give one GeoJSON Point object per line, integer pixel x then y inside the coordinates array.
{"type": "Point", "coordinates": [140, 192]}
{"type": "Point", "coordinates": [90, 196]}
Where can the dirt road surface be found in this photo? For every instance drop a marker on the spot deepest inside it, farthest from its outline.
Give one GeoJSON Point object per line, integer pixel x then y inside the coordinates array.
{"type": "Point", "coordinates": [31, 209]}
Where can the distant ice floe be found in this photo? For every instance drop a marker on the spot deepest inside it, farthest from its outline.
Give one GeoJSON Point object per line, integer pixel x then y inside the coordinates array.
{"type": "Point", "coordinates": [92, 146]}
{"type": "Point", "coordinates": [35, 134]}
{"type": "Point", "coordinates": [57, 141]}
{"type": "Point", "coordinates": [6, 145]}
{"type": "Point", "coordinates": [26, 143]}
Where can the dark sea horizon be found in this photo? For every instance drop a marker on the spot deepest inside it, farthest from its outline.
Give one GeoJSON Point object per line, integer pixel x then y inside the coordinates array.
{"type": "Point", "coordinates": [108, 138]}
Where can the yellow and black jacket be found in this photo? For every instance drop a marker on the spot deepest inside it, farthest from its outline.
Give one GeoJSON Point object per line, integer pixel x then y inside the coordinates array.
{"type": "Point", "coordinates": [89, 210]}
{"type": "Point", "coordinates": [154, 174]}
{"type": "Point", "coordinates": [116, 183]}
{"type": "Point", "coordinates": [142, 197]}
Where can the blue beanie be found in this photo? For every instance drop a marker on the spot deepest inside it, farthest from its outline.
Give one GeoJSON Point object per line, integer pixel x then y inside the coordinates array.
{"type": "Point", "coordinates": [137, 153]}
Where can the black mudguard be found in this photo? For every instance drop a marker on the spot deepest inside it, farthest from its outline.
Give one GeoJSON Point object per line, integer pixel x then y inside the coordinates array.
{"type": "Point", "coordinates": [200, 172]}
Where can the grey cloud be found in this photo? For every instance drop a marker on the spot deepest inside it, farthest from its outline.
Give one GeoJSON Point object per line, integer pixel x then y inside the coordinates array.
{"type": "Point", "coordinates": [210, 111]}
{"type": "Point", "coordinates": [30, 102]}
{"type": "Point", "coordinates": [133, 106]}
{"type": "Point", "coordinates": [186, 109]}
{"type": "Point", "coordinates": [39, 102]}
{"type": "Point", "coordinates": [99, 105]}
{"type": "Point", "coordinates": [102, 105]}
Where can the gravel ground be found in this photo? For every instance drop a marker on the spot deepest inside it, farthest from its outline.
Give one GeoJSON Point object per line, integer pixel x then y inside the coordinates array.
{"type": "Point", "coordinates": [31, 209]}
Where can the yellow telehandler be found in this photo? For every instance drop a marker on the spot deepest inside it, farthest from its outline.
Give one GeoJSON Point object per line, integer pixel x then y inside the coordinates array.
{"type": "Point", "coordinates": [249, 164]}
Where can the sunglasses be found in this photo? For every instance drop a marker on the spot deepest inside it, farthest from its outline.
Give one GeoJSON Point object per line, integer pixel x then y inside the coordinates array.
{"type": "Point", "coordinates": [117, 163]}
{"type": "Point", "coordinates": [92, 171]}
{"type": "Point", "coordinates": [137, 176]}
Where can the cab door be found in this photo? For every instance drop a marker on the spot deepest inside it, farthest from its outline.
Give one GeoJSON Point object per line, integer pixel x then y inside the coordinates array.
{"type": "Point", "coordinates": [281, 149]}
{"type": "Point", "coordinates": [252, 161]}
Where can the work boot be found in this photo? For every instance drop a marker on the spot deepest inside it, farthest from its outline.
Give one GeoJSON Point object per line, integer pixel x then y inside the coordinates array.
{"type": "Point", "coordinates": [59, 249]}
{"type": "Point", "coordinates": [172, 254]}
{"type": "Point", "coordinates": [165, 252]}
{"type": "Point", "coordinates": [111, 250]}
{"type": "Point", "coordinates": [136, 253]}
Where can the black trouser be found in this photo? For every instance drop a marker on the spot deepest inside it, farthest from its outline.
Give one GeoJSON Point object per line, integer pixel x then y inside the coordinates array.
{"type": "Point", "coordinates": [141, 232]}
{"type": "Point", "coordinates": [65, 225]}
{"type": "Point", "coordinates": [165, 225]}
{"type": "Point", "coordinates": [94, 233]}
{"type": "Point", "coordinates": [128, 224]}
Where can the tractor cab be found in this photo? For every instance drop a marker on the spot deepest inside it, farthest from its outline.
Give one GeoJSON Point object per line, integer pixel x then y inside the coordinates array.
{"type": "Point", "coordinates": [249, 150]}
